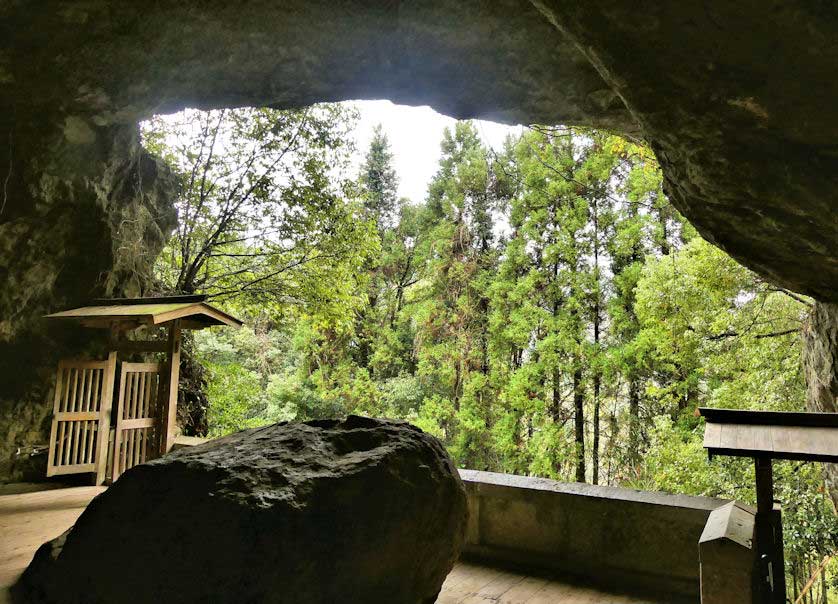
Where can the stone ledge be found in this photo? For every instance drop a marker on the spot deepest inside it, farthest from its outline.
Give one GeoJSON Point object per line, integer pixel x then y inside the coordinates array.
{"type": "Point", "coordinates": [578, 489]}
{"type": "Point", "coordinates": [611, 537]}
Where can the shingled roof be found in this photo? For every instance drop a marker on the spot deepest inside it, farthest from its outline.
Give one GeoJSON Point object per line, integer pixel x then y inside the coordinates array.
{"type": "Point", "coordinates": [193, 311]}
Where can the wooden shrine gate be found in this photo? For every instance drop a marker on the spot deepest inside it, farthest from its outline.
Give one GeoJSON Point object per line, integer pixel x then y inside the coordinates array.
{"type": "Point", "coordinates": [80, 434]}
{"type": "Point", "coordinates": [137, 430]}
{"type": "Point", "coordinates": [81, 421]}
{"type": "Point", "coordinates": [145, 417]}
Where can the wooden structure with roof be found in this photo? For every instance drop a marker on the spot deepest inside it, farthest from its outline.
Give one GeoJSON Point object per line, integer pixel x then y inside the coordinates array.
{"type": "Point", "coordinates": [193, 312]}
{"type": "Point", "coordinates": [765, 436]}
{"type": "Point", "coordinates": [140, 398]}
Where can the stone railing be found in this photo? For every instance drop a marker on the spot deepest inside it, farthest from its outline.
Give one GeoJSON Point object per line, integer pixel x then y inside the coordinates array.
{"type": "Point", "coordinates": [613, 537]}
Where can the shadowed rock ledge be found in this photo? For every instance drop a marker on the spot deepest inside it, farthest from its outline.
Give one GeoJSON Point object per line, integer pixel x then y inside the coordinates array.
{"type": "Point", "coordinates": [360, 510]}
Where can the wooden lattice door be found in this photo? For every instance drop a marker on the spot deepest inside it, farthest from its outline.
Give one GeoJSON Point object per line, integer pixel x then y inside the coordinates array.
{"type": "Point", "coordinates": [137, 427]}
{"type": "Point", "coordinates": [80, 425]}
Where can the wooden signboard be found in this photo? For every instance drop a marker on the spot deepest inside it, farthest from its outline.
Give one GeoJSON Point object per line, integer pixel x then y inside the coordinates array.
{"type": "Point", "coordinates": [774, 434]}
{"type": "Point", "coordinates": [765, 436]}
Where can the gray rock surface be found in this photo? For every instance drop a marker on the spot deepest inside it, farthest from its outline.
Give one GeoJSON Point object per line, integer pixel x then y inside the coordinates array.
{"type": "Point", "coordinates": [737, 98]}
{"type": "Point", "coordinates": [360, 510]}
{"type": "Point", "coordinates": [820, 364]}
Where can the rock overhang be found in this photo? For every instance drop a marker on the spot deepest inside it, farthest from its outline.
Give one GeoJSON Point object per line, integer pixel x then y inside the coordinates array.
{"type": "Point", "coordinates": [735, 98]}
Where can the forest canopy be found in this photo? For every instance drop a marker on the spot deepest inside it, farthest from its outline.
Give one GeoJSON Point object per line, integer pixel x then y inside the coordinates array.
{"type": "Point", "coordinates": [544, 310]}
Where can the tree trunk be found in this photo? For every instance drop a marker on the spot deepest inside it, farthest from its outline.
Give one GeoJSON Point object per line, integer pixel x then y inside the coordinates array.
{"type": "Point", "coordinates": [597, 376]}
{"type": "Point", "coordinates": [556, 404]}
{"type": "Point", "coordinates": [595, 451]}
{"type": "Point", "coordinates": [484, 336]}
{"type": "Point", "coordinates": [634, 420]}
{"type": "Point", "coordinates": [579, 406]}
{"type": "Point", "coordinates": [458, 373]}
{"type": "Point", "coordinates": [795, 580]}
{"type": "Point", "coordinates": [824, 587]}
{"type": "Point", "coordinates": [613, 436]}
{"type": "Point", "coordinates": [663, 220]}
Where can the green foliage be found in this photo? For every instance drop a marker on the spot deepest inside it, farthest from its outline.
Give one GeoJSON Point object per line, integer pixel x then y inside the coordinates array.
{"type": "Point", "coordinates": [544, 312]}
{"type": "Point", "coordinates": [379, 182]}
{"type": "Point", "coordinates": [453, 299]}
{"type": "Point", "coordinates": [265, 216]}
{"type": "Point", "coordinates": [236, 399]}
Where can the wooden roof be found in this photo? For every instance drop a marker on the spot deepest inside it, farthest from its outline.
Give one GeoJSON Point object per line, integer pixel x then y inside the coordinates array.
{"type": "Point", "coordinates": [771, 434]}
{"type": "Point", "coordinates": [193, 312]}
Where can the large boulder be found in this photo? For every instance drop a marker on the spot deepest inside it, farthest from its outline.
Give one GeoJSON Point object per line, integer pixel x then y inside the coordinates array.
{"type": "Point", "coordinates": [361, 510]}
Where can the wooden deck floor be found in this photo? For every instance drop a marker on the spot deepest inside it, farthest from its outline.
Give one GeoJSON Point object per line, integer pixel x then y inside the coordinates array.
{"type": "Point", "coordinates": [471, 583]}
{"type": "Point", "coordinates": [29, 519]}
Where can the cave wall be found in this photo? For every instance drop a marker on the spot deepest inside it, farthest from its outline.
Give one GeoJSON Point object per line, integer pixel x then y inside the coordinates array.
{"type": "Point", "coordinates": [820, 363]}
{"type": "Point", "coordinates": [737, 99]}
{"type": "Point", "coordinates": [84, 213]}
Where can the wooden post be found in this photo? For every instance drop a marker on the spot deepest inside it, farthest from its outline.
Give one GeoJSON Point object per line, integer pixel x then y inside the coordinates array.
{"type": "Point", "coordinates": [169, 411]}
{"type": "Point", "coordinates": [779, 555]}
{"type": "Point", "coordinates": [105, 407]}
{"type": "Point", "coordinates": [771, 572]}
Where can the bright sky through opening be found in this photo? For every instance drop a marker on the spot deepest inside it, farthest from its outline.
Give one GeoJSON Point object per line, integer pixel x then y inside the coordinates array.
{"type": "Point", "coordinates": [415, 134]}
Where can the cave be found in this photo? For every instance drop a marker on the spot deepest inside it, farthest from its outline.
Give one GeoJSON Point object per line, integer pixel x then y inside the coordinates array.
{"type": "Point", "coordinates": [736, 99]}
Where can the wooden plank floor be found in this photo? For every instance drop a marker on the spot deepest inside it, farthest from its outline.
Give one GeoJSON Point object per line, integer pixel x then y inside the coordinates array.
{"type": "Point", "coordinates": [28, 519]}
{"type": "Point", "coordinates": [471, 583]}
{"type": "Point", "coordinates": [31, 518]}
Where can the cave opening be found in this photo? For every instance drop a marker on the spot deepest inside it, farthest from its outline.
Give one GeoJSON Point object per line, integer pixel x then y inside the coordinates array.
{"type": "Point", "coordinates": [746, 151]}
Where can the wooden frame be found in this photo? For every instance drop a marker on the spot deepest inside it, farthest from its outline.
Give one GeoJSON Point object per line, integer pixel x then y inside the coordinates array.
{"type": "Point", "coordinates": [141, 346]}
{"type": "Point", "coordinates": [132, 313]}
{"type": "Point", "coordinates": [195, 312]}
{"type": "Point", "coordinates": [169, 411]}
{"type": "Point", "coordinates": [765, 436]}
{"type": "Point", "coordinates": [137, 415]}
{"type": "Point", "coordinates": [81, 417]}
{"type": "Point", "coordinates": [120, 315]}
{"type": "Point", "coordinates": [771, 434]}
{"type": "Point", "coordinates": [769, 418]}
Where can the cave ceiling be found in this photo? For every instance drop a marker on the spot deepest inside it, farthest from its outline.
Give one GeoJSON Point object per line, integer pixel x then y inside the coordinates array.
{"type": "Point", "coordinates": [738, 99]}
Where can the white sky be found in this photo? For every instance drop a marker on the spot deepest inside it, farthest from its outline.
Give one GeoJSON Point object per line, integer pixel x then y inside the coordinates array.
{"type": "Point", "coordinates": [415, 134]}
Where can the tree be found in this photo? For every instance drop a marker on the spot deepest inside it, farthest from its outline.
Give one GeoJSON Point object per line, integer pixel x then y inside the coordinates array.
{"type": "Point", "coordinates": [645, 225]}
{"type": "Point", "coordinates": [384, 274]}
{"type": "Point", "coordinates": [544, 312]}
{"type": "Point", "coordinates": [399, 270]}
{"type": "Point", "coordinates": [379, 182]}
{"type": "Point", "coordinates": [549, 217]}
{"type": "Point", "coordinates": [562, 220]}
{"type": "Point", "coordinates": [458, 247]}
{"type": "Point", "coordinates": [261, 215]}
{"type": "Point", "coordinates": [713, 329]}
